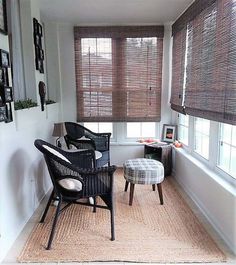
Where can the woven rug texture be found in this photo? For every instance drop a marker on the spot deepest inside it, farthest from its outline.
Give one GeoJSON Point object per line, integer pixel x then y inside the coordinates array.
{"type": "Point", "coordinates": [145, 231]}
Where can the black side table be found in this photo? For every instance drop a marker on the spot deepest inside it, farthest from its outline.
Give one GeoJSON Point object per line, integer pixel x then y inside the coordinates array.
{"type": "Point", "coordinates": [162, 153]}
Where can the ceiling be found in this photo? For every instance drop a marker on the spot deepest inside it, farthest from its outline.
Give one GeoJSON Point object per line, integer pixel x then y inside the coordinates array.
{"type": "Point", "coordinates": [113, 12]}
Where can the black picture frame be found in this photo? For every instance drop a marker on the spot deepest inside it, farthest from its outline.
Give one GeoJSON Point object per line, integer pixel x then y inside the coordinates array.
{"type": "Point", "coordinates": [3, 17]}
{"type": "Point", "coordinates": [3, 113]}
{"type": "Point", "coordinates": [40, 30]}
{"type": "Point", "coordinates": [4, 58]}
{"type": "Point", "coordinates": [6, 94]}
{"type": "Point", "coordinates": [35, 26]}
{"type": "Point", "coordinates": [9, 117]}
{"type": "Point", "coordinates": [4, 80]}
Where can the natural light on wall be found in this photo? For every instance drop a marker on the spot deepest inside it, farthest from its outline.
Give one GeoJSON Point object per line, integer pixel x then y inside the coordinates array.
{"type": "Point", "coordinates": [227, 149]}
{"type": "Point", "coordinates": [201, 137]}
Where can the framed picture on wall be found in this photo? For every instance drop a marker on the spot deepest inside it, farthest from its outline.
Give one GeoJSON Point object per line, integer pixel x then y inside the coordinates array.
{"type": "Point", "coordinates": [3, 113]}
{"type": "Point", "coordinates": [169, 133]}
{"type": "Point", "coordinates": [3, 17]}
{"type": "Point", "coordinates": [4, 58]}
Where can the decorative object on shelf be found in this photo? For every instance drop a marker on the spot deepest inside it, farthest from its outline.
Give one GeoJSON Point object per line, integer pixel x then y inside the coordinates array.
{"type": "Point", "coordinates": [59, 131]}
{"type": "Point", "coordinates": [25, 104]}
{"type": "Point", "coordinates": [3, 17]}
{"type": "Point", "coordinates": [39, 53]}
{"type": "Point", "coordinates": [42, 93]}
{"type": "Point", "coordinates": [169, 133]}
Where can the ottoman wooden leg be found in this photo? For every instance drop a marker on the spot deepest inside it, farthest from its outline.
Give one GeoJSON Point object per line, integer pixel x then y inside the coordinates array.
{"type": "Point", "coordinates": [131, 194]}
{"type": "Point", "coordinates": [160, 193]}
{"type": "Point", "coordinates": [153, 187]}
{"type": "Point", "coordinates": [126, 185]}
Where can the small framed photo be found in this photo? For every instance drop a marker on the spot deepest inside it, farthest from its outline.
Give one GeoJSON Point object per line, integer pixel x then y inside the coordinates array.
{"type": "Point", "coordinates": [3, 17]}
{"type": "Point", "coordinates": [169, 133]}
{"type": "Point", "coordinates": [3, 113]}
{"type": "Point", "coordinates": [4, 58]}
{"type": "Point", "coordinates": [40, 30]}
{"type": "Point", "coordinates": [41, 54]}
{"type": "Point", "coordinates": [37, 41]}
{"type": "Point", "coordinates": [8, 95]}
{"type": "Point", "coordinates": [35, 26]}
{"type": "Point", "coordinates": [4, 76]}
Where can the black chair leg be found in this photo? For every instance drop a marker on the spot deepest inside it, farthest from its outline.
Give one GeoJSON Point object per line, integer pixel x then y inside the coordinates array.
{"type": "Point", "coordinates": [94, 205]}
{"type": "Point", "coordinates": [47, 207]}
{"type": "Point", "coordinates": [112, 221]}
{"type": "Point", "coordinates": [54, 225]}
{"type": "Point", "coordinates": [126, 185]}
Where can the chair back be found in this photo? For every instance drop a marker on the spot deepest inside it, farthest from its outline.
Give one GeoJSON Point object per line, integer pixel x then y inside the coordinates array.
{"type": "Point", "coordinates": [63, 165]}
{"type": "Point", "coordinates": [76, 131]}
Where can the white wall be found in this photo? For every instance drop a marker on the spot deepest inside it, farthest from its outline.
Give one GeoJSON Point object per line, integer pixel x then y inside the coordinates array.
{"type": "Point", "coordinates": [215, 197]}
{"type": "Point", "coordinates": [23, 176]}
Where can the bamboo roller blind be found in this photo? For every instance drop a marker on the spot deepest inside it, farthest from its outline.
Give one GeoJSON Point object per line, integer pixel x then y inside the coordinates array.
{"type": "Point", "coordinates": [210, 67]}
{"type": "Point", "coordinates": [118, 73]}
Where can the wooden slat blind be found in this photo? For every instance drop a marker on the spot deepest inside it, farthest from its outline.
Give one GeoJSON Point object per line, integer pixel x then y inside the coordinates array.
{"type": "Point", "coordinates": [178, 64]}
{"type": "Point", "coordinates": [118, 78]}
{"type": "Point", "coordinates": [210, 90]}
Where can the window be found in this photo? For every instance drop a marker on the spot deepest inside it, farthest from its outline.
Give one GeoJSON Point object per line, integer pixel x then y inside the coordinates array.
{"type": "Point", "coordinates": [183, 127]}
{"type": "Point", "coordinates": [100, 127]}
{"type": "Point", "coordinates": [227, 149]}
{"type": "Point", "coordinates": [141, 129]}
{"type": "Point", "coordinates": [118, 73]}
{"type": "Point", "coordinates": [201, 137]}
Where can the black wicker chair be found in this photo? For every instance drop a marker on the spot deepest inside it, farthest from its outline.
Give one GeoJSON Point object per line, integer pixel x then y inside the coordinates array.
{"type": "Point", "coordinates": [74, 178]}
{"type": "Point", "coordinates": [83, 138]}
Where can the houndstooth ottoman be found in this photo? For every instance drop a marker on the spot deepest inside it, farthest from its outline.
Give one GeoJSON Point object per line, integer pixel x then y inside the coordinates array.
{"type": "Point", "coordinates": [143, 171]}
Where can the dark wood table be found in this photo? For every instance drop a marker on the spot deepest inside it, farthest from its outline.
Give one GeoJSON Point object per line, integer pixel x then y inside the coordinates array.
{"type": "Point", "coordinates": [162, 153]}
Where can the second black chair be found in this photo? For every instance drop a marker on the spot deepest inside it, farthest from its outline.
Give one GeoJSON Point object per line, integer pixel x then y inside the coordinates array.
{"type": "Point", "coordinates": [82, 138]}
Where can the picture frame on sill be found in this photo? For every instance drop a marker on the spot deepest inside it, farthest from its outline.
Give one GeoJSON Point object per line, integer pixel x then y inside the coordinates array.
{"type": "Point", "coordinates": [3, 17]}
{"type": "Point", "coordinates": [169, 133]}
{"type": "Point", "coordinates": [4, 58]}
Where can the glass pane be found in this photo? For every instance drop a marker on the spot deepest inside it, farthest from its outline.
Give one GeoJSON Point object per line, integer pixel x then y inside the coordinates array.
{"type": "Point", "coordinates": [226, 131]}
{"type": "Point", "coordinates": [183, 134]}
{"type": "Point", "coordinates": [133, 129]}
{"type": "Point", "coordinates": [233, 162]}
{"type": "Point", "coordinates": [234, 136]}
{"type": "Point", "coordinates": [224, 158]}
{"type": "Point", "coordinates": [205, 146]}
{"type": "Point", "coordinates": [183, 120]}
{"type": "Point", "coordinates": [148, 129]}
{"type": "Point", "coordinates": [105, 127]}
{"type": "Point", "coordinates": [92, 126]}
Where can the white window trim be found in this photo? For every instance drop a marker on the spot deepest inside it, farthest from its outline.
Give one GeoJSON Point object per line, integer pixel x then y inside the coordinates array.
{"type": "Point", "coordinates": [214, 141]}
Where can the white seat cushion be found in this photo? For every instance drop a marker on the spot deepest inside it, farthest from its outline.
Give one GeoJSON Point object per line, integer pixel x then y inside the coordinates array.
{"type": "Point", "coordinates": [71, 184]}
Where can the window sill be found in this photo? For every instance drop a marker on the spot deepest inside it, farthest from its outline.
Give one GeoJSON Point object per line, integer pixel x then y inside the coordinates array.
{"type": "Point", "coordinates": [126, 144]}
{"type": "Point", "coordinates": [228, 183]}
